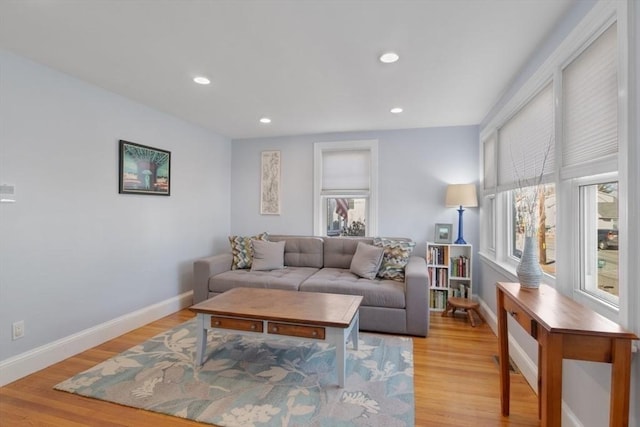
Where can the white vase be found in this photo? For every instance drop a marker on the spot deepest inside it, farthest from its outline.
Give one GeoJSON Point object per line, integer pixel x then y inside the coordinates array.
{"type": "Point", "coordinates": [529, 271]}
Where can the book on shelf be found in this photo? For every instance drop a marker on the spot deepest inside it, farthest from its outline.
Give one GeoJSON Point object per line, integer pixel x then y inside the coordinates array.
{"type": "Point", "coordinates": [438, 300]}
{"type": "Point", "coordinates": [438, 277]}
{"type": "Point", "coordinates": [460, 291]}
{"type": "Point", "coordinates": [436, 255]}
{"type": "Point", "coordinates": [460, 266]}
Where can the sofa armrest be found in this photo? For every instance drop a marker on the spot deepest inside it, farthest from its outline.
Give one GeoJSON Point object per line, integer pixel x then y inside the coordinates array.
{"type": "Point", "coordinates": [416, 280]}
{"type": "Point", "coordinates": [203, 269]}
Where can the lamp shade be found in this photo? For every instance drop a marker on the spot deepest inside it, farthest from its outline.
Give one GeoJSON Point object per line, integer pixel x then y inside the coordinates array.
{"type": "Point", "coordinates": [461, 195]}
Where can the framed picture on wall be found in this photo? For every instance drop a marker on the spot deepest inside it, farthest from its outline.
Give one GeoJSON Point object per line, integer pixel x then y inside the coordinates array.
{"type": "Point", "coordinates": [270, 183]}
{"type": "Point", "coordinates": [443, 233]}
{"type": "Point", "coordinates": [144, 170]}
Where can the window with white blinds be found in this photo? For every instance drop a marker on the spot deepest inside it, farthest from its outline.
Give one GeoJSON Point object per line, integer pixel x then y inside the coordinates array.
{"type": "Point", "coordinates": [345, 170]}
{"type": "Point", "coordinates": [578, 101]}
{"type": "Point", "coordinates": [345, 187]}
{"type": "Point", "coordinates": [524, 141]}
{"type": "Point", "coordinates": [590, 97]}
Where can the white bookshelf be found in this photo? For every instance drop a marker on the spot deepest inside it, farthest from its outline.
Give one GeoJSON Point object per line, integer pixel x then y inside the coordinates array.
{"type": "Point", "coordinates": [450, 273]}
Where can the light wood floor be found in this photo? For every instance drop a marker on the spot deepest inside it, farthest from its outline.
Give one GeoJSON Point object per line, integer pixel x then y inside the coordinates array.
{"type": "Point", "coordinates": [456, 384]}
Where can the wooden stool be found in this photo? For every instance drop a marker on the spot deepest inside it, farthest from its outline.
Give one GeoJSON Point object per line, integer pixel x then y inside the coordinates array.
{"type": "Point", "coordinates": [454, 303]}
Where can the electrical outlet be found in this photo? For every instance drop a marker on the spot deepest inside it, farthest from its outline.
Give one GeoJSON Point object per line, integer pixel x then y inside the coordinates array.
{"type": "Point", "coordinates": [18, 329]}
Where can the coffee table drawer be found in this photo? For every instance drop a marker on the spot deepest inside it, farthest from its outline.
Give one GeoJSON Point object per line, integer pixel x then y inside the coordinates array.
{"type": "Point", "coordinates": [315, 332]}
{"type": "Point", "coordinates": [236, 324]}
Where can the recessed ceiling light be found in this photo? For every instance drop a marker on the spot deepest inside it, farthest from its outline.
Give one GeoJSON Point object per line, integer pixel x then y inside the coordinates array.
{"type": "Point", "coordinates": [389, 57]}
{"type": "Point", "coordinates": [201, 80]}
{"type": "Point", "coordinates": [396, 110]}
{"type": "Point", "coordinates": [265, 120]}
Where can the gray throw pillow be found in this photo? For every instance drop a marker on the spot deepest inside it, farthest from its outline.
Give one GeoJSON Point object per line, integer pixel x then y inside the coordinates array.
{"type": "Point", "coordinates": [366, 261]}
{"type": "Point", "coordinates": [267, 255]}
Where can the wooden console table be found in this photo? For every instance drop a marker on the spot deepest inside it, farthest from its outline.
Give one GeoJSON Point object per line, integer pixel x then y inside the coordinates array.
{"type": "Point", "coordinates": [564, 329]}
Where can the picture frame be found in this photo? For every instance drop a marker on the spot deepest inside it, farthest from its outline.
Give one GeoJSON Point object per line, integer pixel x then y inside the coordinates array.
{"type": "Point", "coordinates": [443, 233]}
{"type": "Point", "coordinates": [144, 169]}
{"type": "Point", "coordinates": [270, 183]}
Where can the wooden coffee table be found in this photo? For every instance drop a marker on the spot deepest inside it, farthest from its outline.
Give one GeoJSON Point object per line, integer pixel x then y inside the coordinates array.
{"type": "Point", "coordinates": [332, 318]}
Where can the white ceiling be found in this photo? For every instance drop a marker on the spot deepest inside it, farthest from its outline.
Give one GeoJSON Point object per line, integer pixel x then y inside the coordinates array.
{"type": "Point", "coordinates": [311, 66]}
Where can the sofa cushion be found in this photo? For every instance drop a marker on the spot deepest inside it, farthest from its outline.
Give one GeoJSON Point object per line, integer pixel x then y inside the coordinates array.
{"type": "Point", "coordinates": [242, 251]}
{"type": "Point", "coordinates": [338, 251]}
{"type": "Point", "coordinates": [395, 258]}
{"type": "Point", "coordinates": [288, 278]}
{"type": "Point", "coordinates": [267, 255]}
{"type": "Point", "coordinates": [301, 251]}
{"type": "Point", "coordinates": [366, 261]}
{"type": "Point", "coordinates": [377, 293]}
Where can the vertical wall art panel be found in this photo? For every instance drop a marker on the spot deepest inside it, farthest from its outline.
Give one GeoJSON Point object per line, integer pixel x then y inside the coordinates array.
{"type": "Point", "coordinates": [270, 183]}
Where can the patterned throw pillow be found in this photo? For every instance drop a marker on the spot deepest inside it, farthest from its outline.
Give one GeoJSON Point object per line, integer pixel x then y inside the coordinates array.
{"type": "Point", "coordinates": [395, 258]}
{"type": "Point", "coordinates": [242, 250]}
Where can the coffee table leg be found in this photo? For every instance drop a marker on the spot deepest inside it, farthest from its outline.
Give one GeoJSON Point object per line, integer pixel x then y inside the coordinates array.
{"type": "Point", "coordinates": [201, 335]}
{"type": "Point", "coordinates": [341, 356]}
{"type": "Point", "coordinates": [341, 339]}
{"type": "Point", "coordinates": [354, 331]}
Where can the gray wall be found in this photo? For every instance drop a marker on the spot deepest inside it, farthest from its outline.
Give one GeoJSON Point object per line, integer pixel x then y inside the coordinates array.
{"type": "Point", "coordinates": [74, 253]}
{"type": "Point", "coordinates": [415, 166]}
{"type": "Point", "coordinates": [586, 387]}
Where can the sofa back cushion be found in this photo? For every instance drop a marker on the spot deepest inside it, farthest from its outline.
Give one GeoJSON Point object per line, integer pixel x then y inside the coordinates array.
{"type": "Point", "coordinates": [301, 251]}
{"type": "Point", "coordinates": [338, 251]}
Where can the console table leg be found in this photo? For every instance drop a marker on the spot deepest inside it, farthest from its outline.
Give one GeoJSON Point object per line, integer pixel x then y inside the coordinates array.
{"type": "Point", "coordinates": [503, 358]}
{"type": "Point", "coordinates": [620, 382]}
{"type": "Point", "coordinates": [551, 378]}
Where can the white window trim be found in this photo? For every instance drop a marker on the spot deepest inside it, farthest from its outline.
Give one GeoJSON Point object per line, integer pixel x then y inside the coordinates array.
{"type": "Point", "coordinates": [588, 298]}
{"type": "Point", "coordinates": [319, 226]}
{"type": "Point", "coordinates": [602, 14]}
{"type": "Point", "coordinates": [489, 223]}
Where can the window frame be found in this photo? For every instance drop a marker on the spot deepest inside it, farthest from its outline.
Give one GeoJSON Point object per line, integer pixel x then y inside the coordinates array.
{"type": "Point", "coordinates": [577, 184]}
{"type": "Point", "coordinates": [371, 195]}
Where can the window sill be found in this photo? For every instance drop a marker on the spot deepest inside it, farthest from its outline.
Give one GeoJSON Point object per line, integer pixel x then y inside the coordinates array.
{"type": "Point", "coordinates": [598, 305]}
{"type": "Point", "coordinates": [509, 271]}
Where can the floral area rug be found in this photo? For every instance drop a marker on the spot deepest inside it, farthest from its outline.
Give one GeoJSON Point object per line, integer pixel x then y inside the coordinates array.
{"type": "Point", "coordinates": [250, 381]}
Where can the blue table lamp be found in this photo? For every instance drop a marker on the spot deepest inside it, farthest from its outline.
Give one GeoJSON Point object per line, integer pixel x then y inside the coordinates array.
{"type": "Point", "coordinates": [464, 196]}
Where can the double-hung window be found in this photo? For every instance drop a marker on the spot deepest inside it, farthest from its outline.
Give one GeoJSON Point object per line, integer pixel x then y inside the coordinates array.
{"type": "Point", "coordinates": [590, 161]}
{"type": "Point", "coordinates": [345, 178]}
{"type": "Point", "coordinates": [526, 163]}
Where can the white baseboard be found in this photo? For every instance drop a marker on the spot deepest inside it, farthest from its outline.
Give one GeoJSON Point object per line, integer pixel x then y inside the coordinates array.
{"type": "Point", "coordinates": [569, 419]}
{"type": "Point", "coordinates": [526, 366]}
{"type": "Point", "coordinates": [41, 357]}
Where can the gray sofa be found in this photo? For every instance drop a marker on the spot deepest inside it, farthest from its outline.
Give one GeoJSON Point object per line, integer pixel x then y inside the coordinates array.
{"type": "Point", "coordinates": [321, 264]}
